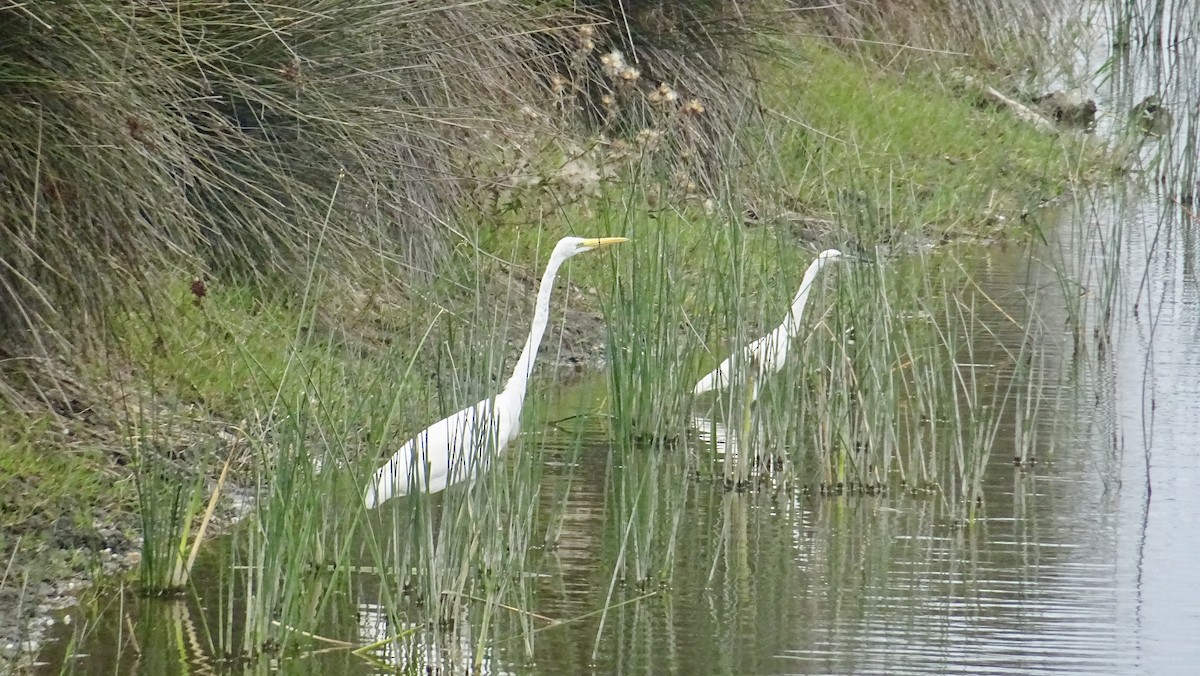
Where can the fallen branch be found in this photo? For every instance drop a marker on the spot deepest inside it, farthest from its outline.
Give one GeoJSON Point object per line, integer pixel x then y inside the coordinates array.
{"type": "Point", "coordinates": [1022, 111]}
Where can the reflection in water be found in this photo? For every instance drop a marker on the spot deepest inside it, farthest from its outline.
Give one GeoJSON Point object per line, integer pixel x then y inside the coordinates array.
{"type": "Point", "coordinates": [714, 435]}
{"type": "Point", "coordinates": [1149, 371]}
{"type": "Point", "coordinates": [871, 585]}
{"type": "Point", "coordinates": [413, 647]}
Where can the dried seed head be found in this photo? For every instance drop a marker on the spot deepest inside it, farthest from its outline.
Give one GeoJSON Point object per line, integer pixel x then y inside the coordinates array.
{"type": "Point", "coordinates": [630, 74]}
{"type": "Point", "coordinates": [613, 63]}
{"type": "Point", "coordinates": [694, 108]}
{"type": "Point", "coordinates": [291, 71]}
{"type": "Point", "coordinates": [199, 290]}
{"type": "Point", "coordinates": [664, 94]}
{"type": "Point", "coordinates": [648, 138]}
{"type": "Point", "coordinates": [584, 39]}
{"type": "Point", "coordinates": [653, 195]}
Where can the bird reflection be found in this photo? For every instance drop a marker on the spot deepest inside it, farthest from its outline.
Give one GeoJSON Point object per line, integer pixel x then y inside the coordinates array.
{"type": "Point", "coordinates": [417, 648]}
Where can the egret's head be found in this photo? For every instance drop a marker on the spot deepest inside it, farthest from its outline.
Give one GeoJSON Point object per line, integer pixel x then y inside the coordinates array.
{"type": "Point", "coordinates": [829, 254]}
{"type": "Point", "coordinates": [579, 245]}
{"type": "Point", "coordinates": [569, 246]}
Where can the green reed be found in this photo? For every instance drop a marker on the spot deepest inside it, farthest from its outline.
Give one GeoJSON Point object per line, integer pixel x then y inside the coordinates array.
{"type": "Point", "coordinates": [646, 326]}
{"type": "Point", "coordinates": [173, 478]}
{"type": "Point", "coordinates": [315, 409]}
{"type": "Point", "coordinates": [171, 497]}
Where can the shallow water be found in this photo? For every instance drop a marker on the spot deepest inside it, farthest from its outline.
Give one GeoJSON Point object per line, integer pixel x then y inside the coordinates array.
{"type": "Point", "coordinates": [1084, 561]}
{"type": "Point", "coordinates": [1068, 569]}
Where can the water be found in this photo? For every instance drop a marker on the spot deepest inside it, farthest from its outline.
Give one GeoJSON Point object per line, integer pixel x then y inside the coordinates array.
{"type": "Point", "coordinates": [1065, 571]}
{"type": "Point", "coordinates": [1084, 561]}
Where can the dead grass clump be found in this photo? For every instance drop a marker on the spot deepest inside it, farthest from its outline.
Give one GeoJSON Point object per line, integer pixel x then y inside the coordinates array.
{"type": "Point", "coordinates": [236, 139]}
{"type": "Point", "coordinates": [632, 66]}
{"type": "Point", "coordinates": [989, 31]}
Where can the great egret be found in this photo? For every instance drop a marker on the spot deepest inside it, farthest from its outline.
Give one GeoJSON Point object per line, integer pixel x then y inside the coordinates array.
{"type": "Point", "coordinates": [452, 449]}
{"type": "Point", "coordinates": [766, 355]}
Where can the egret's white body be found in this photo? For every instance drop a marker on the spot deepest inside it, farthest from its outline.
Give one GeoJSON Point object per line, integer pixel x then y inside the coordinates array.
{"type": "Point", "coordinates": [766, 355]}
{"type": "Point", "coordinates": [458, 447]}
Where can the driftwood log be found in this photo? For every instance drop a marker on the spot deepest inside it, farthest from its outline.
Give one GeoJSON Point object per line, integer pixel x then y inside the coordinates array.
{"type": "Point", "coordinates": [1022, 111]}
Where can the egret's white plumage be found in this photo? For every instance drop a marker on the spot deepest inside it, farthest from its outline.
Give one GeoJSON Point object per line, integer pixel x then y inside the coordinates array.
{"type": "Point", "coordinates": [458, 447]}
{"type": "Point", "coordinates": [766, 355]}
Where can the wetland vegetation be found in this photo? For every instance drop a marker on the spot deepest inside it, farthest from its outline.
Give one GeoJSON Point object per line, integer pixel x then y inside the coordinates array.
{"type": "Point", "coordinates": [249, 250]}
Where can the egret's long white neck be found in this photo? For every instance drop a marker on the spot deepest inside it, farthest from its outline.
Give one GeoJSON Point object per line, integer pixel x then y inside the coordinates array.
{"type": "Point", "coordinates": [541, 316]}
{"type": "Point", "coordinates": [796, 312]}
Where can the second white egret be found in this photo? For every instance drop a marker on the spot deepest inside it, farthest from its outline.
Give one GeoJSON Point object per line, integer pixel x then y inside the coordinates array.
{"type": "Point", "coordinates": [767, 355]}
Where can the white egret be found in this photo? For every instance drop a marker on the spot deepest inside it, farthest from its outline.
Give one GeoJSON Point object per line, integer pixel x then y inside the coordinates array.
{"type": "Point", "coordinates": [766, 355]}
{"type": "Point", "coordinates": [453, 449]}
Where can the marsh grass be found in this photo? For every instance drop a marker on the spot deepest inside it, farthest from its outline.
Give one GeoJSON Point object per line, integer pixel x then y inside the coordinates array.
{"type": "Point", "coordinates": [889, 392]}
{"type": "Point", "coordinates": [644, 323]}
{"type": "Point", "coordinates": [752, 550]}
{"type": "Point", "coordinates": [1158, 159]}
{"type": "Point", "coordinates": [170, 501]}
{"type": "Point", "coordinates": [899, 388]}
{"type": "Point", "coordinates": [989, 31]}
{"type": "Point", "coordinates": [876, 402]}
{"type": "Point", "coordinates": [315, 406]}
{"type": "Point", "coordinates": [882, 402]}
{"type": "Point", "coordinates": [213, 139]}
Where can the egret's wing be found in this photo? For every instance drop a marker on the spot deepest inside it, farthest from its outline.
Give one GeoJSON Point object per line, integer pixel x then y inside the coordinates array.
{"type": "Point", "coordinates": [757, 355]}
{"type": "Point", "coordinates": [472, 442]}
{"type": "Point", "coordinates": [382, 485]}
{"type": "Point", "coordinates": [447, 452]}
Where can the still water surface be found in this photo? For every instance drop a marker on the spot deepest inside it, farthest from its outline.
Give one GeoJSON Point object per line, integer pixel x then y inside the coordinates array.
{"type": "Point", "coordinates": [1071, 567]}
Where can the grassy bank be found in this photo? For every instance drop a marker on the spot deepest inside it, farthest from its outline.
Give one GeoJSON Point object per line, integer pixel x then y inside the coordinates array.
{"type": "Point", "coordinates": [842, 152]}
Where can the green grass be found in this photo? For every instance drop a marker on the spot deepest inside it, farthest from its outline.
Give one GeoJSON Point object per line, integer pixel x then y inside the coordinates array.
{"type": "Point", "coordinates": [231, 351]}
{"type": "Point", "coordinates": [895, 154]}
{"type": "Point", "coordinates": [63, 499]}
{"type": "Point", "coordinates": [43, 484]}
